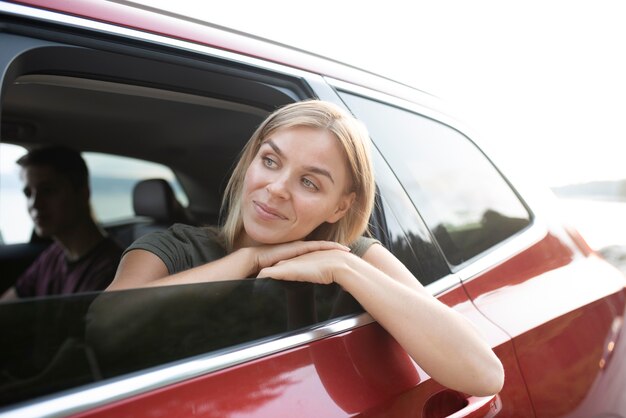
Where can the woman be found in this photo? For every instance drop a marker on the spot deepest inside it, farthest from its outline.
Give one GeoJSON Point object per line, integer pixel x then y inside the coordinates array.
{"type": "Point", "coordinates": [298, 203]}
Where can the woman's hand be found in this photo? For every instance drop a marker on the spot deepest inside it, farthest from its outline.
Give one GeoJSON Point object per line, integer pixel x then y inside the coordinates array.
{"type": "Point", "coordinates": [269, 255]}
{"type": "Point", "coordinates": [320, 266]}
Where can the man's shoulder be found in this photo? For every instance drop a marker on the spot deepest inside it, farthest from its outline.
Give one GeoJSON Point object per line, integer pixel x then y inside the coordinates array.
{"type": "Point", "coordinates": [54, 250]}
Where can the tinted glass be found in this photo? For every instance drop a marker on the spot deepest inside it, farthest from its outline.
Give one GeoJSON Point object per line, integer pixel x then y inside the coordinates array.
{"type": "Point", "coordinates": [63, 342]}
{"type": "Point", "coordinates": [408, 237]}
{"type": "Point", "coordinates": [464, 200]}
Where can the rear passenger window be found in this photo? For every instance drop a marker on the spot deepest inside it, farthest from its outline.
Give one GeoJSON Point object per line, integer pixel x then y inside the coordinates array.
{"type": "Point", "coordinates": [113, 178]}
{"type": "Point", "coordinates": [15, 224]}
{"type": "Point", "coordinates": [465, 201]}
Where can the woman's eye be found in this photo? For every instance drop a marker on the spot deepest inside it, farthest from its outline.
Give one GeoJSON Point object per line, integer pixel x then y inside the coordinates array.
{"type": "Point", "coordinates": [268, 162]}
{"type": "Point", "coordinates": [309, 184]}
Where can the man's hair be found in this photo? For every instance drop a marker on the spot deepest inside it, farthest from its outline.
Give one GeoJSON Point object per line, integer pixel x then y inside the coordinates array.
{"type": "Point", "coordinates": [63, 160]}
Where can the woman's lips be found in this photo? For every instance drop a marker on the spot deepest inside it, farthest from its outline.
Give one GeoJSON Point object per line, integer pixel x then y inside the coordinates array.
{"type": "Point", "coordinates": [266, 212]}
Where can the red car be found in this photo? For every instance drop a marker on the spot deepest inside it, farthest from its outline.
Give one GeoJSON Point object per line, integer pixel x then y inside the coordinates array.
{"type": "Point", "coordinates": [147, 95]}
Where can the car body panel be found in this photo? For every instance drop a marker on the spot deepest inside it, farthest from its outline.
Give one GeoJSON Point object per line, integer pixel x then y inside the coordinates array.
{"type": "Point", "coordinates": [565, 314]}
{"type": "Point", "coordinates": [362, 371]}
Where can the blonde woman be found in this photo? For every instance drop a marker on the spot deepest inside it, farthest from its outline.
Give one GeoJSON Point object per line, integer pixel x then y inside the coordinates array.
{"type": "Point", "coordinates": [298, 204]}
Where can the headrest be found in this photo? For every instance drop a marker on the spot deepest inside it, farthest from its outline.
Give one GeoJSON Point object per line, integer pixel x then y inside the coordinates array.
{"type": "Point", "coordinates": [155, 198]}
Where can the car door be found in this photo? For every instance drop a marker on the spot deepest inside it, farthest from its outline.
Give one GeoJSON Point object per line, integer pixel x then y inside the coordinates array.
{"type": "Point", "coordinates": [473, 225]}
{"type": "Point", "coordinates": [524, 270]}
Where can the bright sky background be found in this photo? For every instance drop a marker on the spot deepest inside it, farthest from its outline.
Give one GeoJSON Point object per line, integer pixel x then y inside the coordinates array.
{"type": "Point", "coordinates": [543, 81]}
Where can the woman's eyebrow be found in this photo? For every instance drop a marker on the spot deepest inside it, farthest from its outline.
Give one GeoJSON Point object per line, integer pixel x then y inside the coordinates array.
{"type": "Point", "coordinates": [320, 171]}
{"type": "Point", "coordinates": [274, 147]}
{"type": "Point", "coordinates": [312, 169]}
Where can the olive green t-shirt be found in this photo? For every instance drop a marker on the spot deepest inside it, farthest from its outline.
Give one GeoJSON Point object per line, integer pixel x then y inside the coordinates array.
{"type": "Point", "coordinates": [182, 247]}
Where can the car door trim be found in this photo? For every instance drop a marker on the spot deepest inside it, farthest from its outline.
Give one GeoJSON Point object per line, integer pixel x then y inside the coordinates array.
{"type": "Point", "coordinates": [92, 396]}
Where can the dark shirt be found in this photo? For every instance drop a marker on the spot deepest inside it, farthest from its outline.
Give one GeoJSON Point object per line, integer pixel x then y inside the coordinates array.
{"type": "Point", "coordinates": [53, 274]}
{"type": "Point", "coordinates": [182, 247]}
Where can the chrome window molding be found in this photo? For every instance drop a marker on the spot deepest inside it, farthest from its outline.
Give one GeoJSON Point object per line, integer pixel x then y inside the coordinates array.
{"type": "Point", "coordinates": [491, 258]}
{"type": "Point", "coordinates": [93, 396]}
{"type": "Point", "coordinates": [512, 246]}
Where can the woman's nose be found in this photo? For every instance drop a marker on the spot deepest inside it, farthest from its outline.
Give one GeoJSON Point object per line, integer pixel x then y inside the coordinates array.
{"type": "Point", "coordinates": [278, 188]}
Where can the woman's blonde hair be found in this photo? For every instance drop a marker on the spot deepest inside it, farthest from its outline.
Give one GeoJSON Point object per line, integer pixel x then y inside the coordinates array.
{"type": "Point", "coordinates": [354, 140]}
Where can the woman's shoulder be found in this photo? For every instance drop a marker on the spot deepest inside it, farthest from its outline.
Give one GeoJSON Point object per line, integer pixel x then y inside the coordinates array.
{"type": "Point", "coordinates": [180, 235]}
{"type": "Point", "coordinates": [191, 230]}
{"type": "Point", "coordinates": [203, 234]}
{"type": "Point", "coordinates": [361, 245]}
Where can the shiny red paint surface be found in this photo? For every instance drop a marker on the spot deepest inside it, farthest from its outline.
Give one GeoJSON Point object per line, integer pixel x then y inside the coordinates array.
{"type": "Point", "coordinates": [336, 377]}
{"type": "Point", "coordinates": [363, 371]}
{"type": "Point", "coordinates": [565, 313]}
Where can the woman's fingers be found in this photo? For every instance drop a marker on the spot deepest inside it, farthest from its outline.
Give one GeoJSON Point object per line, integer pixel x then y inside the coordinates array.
{"type": "Point", "coordinates": [314, 267]}
{"type": "Point", "coordinates": [269, 255]}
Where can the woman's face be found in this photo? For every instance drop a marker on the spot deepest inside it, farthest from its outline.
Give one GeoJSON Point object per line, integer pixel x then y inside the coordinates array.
{"type": "Point", "coordinates": [297, 181]}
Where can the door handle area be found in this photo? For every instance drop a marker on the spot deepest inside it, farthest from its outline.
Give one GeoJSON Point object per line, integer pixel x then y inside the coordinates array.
{"type": "Point", "coordinates": [452, 404]}
{"type": "Point", "coordinates": [483, 407]}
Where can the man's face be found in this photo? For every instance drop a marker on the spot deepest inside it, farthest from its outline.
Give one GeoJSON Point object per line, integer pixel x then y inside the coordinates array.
{"type": "Point", "coordinates": [54, 204]}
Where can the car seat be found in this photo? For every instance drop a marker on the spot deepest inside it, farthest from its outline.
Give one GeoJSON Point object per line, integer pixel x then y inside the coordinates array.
{"type": "Point", "coordinates": [154, 199]}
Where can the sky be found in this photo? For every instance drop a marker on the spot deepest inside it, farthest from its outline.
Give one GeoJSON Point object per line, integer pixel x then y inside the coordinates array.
{"type": "Point", "coordinates": [543, 82]}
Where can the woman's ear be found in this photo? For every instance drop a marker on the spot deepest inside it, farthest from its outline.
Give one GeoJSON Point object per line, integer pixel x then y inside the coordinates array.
{"type": "Point", "coordinates": [344, 205]}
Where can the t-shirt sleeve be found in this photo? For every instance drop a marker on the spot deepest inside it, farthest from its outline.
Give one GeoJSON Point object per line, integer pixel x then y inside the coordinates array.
{"type": "Point", "coordinates": [362, 244]}
{"type": "Point", "coordinates": [180, 247]}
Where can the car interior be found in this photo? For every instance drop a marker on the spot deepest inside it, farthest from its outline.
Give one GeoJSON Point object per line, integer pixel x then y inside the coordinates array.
{"type": "Point", "coordinates": [192, 120]}
{"type": "Point", "coordinates": [192, 116]}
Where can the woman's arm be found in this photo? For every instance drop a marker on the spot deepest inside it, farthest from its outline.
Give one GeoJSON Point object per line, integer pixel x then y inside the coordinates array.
{"type": "Point", "coordinates": [141, 268]}
{"type": "Point", "coordinates": [439, 339]}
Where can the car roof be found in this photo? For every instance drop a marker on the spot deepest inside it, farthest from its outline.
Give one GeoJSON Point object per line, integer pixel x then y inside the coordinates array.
{"type": "Point", "coordinates": [160, 22]}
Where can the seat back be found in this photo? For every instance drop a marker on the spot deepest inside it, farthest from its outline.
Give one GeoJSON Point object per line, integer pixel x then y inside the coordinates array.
{"type": "Point", "coordinates": [155, 199]}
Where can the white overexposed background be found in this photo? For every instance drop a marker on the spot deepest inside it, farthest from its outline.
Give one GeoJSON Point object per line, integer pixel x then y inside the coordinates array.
{"type": "Point", "coordinates": [544, 82]}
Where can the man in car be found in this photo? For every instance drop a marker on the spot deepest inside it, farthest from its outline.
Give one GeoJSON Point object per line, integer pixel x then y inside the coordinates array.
{"type": "Point", "coordinates": [81, 257]}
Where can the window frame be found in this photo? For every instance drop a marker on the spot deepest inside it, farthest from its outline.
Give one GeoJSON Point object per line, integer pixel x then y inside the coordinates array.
{"type": "Point", "coordinates": [430, 108]}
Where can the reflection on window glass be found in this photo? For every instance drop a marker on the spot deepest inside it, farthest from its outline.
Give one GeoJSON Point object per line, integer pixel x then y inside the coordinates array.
{"type": "Point", "coordinates": [113, 179]}
{"type": "Point", "coordinates": [409, 238]}
{"type": "Point", "coordinates": [464, 200]}
{"type": "Point", "coordinates": [65, 342]}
